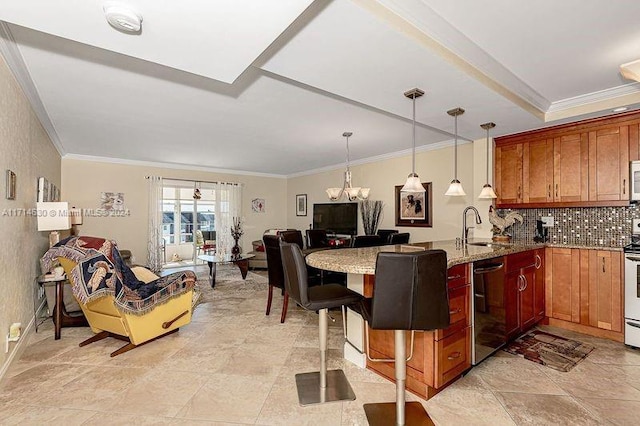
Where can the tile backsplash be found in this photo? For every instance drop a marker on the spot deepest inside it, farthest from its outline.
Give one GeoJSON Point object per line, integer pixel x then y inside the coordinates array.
{"type": "Point", "coordinates": [581, 226]}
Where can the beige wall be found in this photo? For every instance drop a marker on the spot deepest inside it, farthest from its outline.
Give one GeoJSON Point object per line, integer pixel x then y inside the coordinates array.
{"type": "Point", "coordinates": [83, 181]}
{"type": "Point", "coordinates": [25, 149]}
{"type": "Point", "coordinates": [432, 166]}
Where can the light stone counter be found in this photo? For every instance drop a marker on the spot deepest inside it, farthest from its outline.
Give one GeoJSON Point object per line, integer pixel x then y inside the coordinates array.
{"type": "Point", "coordinates": [363, 260]}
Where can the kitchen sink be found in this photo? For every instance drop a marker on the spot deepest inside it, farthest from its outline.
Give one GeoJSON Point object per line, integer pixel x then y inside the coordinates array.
{"type": "Point", "coordinates": [487, 244]}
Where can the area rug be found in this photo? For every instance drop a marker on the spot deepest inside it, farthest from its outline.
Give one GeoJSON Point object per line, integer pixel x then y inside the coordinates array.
{"type": "Point", "coordinates": [548, 349]}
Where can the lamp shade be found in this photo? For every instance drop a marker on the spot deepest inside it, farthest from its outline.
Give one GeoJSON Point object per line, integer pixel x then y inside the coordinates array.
{"type": "Point", "coordinates": [413, 184]}
{"type": "Point", "coordinates": [76, 216]}
{"type": "Point", "coordinates": [487, 192]}
{"type": "Point", "coordinates": [455, 189]}
{"type": "Point", "coordinates": [53, 216]}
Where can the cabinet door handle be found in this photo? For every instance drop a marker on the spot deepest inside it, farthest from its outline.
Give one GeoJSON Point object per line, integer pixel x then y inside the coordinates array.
{"type": "Point", "coordinates": [549, 191]}
{"type": "Point", "coordinates": [455, 311]}
{"type": "Point", "coordinates": [556, 190]}
{"type": "Point", "coordinates": [603, 270]}
{"type": "Point", "coordinates": [454, 355]}
{"type": "Point", "coordinates": [519, 192]}
{"type": "Point", "coordinates": [519, 282]}
{"type": "Point", "coordinates": [538, 263]}
{"type": "Point", "coordinates": [454, 277]}
{"type": "Point", "coordinates": [525, 282]}
{"type": "Point", "coordinates": [624, 186]}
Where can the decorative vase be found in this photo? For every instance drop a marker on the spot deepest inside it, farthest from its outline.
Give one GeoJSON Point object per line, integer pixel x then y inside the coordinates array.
{"type": "Point", "coordinates": [235, 250]}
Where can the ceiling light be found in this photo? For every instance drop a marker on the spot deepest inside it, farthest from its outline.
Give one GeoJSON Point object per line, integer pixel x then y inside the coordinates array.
{"type": "Point", "coordinates": [487, 191]}
{"type": "Point", "coordinates": [631, 70]}
{"type": "Point", "coordinates": [619, 109]}
{"type": "Point", "coordinates": [352, 193]}
{"type": "Point", "coordinates": [122, 18]}
{"type": "Point", "coordinates": [413, 183]}
{"type": "Point", "coordinates": [455, 188]}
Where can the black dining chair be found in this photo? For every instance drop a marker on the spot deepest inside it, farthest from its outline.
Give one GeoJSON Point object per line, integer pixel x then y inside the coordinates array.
{"type": "Point", "coordinates": [322, 386]}
{"type": "Point", "coordinates": [410, 293]}
{"type": "Point", "coordinates": [317, 238]}
{"type": "Point", "coordinates": [399, 238]}
{"type": "Point", "coordinates": [366, 241]}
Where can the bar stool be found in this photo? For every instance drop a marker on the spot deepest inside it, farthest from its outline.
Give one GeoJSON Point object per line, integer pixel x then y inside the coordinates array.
{"type": "Point", "coordinates": [323, 386]}
{"type": "Point", "coordinates": [410, 293]}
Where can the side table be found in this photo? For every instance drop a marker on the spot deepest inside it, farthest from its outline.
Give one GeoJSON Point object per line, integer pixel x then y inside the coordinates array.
{"type": "Point", "coordinates": [62, 318]}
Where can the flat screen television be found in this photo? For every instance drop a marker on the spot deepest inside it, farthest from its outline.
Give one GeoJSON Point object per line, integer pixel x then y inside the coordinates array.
{"type": "Point", "coordinates": [337, 218]}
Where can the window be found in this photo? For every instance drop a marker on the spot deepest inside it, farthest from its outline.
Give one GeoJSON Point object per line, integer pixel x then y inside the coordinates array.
{"type": "Point", "coordinates": [178, 211]}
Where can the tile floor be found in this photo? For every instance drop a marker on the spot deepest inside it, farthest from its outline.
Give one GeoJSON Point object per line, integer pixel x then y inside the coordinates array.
{"type": "Point", "coordinates": [234, 366]}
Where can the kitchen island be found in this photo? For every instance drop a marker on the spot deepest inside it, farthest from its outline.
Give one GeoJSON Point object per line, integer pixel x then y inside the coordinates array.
{"type": "Point", "coordinates": [440, 356]}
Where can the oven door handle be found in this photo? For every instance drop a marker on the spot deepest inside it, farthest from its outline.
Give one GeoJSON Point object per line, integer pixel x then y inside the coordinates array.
{"type": "Point", "coordinates": [493, 268]}
{"type": "Point", "coordinates": [633, 258]}
{"type": "Point", "coordinates": [633, 324]}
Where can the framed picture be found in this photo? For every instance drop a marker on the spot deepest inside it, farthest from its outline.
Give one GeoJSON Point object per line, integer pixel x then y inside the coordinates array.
{"type": "Point", "coordinates": [301, 205]}
{"type": "Point", "coordinates": [257, 205]}
{"type": "Point", "coordinates": [414, 209]}
{"type": "Point", "coordinates": [43, 190]}
{"type": "Point", "coordinates": [11, 185]}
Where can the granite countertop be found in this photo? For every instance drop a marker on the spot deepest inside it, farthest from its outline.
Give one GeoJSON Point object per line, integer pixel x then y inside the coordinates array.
{"type": "Point", "coordinates": [363, 260]}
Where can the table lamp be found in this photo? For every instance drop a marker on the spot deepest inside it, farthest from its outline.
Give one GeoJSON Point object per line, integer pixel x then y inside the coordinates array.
{"type": "Point", "coordinates": [53, 217]}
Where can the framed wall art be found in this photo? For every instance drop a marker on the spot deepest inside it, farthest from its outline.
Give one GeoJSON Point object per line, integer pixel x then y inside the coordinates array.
{"type": "Point", "coordinates": [414, 209]}
{"type": "Point", "coordinates": [301, 205]}
{"type": "Point", "coordinates": [257, 205]}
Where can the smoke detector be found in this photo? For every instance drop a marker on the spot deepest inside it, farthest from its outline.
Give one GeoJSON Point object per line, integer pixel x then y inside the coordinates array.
{"type": "Point", "coordinates": [122, 18]}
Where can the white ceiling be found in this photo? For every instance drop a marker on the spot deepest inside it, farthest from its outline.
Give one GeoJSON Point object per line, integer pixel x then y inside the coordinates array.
{"type": "Point", "coordinates": [269, 87]}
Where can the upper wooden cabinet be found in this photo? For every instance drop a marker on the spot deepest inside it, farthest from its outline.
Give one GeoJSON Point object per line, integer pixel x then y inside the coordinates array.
{"type": "Point", "coordinates": [574, 165]}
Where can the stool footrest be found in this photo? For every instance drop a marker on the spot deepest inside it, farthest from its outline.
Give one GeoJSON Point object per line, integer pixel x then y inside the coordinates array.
{"type": "Point", "coordinates": [384, 414]}
{"type": "Point", "coordinates": [310, 392]}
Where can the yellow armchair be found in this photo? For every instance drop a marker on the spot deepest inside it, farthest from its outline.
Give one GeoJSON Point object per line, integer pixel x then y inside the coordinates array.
{"type": "Point", "coordinates": [131, 304]}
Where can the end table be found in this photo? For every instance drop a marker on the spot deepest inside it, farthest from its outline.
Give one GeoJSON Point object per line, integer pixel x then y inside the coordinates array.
{"type": "Point", "coordinates": [61, 318]}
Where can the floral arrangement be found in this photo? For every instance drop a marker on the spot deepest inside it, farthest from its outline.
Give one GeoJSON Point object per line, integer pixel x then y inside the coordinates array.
{"type": "Point", "coordinates": [236, 229]}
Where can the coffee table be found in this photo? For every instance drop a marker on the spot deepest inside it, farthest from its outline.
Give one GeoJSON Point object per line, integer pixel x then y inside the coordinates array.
{"type": "Point", "coordinates": [241, 261]}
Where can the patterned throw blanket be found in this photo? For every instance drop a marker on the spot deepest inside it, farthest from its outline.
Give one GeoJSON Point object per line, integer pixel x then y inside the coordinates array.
{"type": "Point", "coordinates": [100, 271]}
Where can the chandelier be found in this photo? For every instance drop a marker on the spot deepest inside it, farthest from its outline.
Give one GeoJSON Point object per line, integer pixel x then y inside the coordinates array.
{"type": "Point", "coordinates": [352, 193]}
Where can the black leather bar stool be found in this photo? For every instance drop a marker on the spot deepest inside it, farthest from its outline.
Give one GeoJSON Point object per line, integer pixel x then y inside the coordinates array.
{"type": "Point", "coordinates": [323, 386]}
{"type": "Point", "coordinates": [410, 293]}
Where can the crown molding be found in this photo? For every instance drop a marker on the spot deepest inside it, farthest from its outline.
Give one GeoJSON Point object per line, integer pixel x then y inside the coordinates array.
{"type": "Point", "coordinates": [12, 56]}
{"type": "Point", "coordinates": [595, 101]}
{"type": "Point", "coordinates": [176, 166]}
{"type": "Point", "coordinates": [382, 157]}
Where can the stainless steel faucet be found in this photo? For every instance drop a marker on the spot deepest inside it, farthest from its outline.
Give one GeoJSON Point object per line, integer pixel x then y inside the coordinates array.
{"type": "Point", "coordinates": [465, 229]}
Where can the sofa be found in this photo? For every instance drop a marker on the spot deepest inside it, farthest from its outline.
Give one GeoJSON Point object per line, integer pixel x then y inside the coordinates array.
{"type": "Point", "coordinates": [259, 261]}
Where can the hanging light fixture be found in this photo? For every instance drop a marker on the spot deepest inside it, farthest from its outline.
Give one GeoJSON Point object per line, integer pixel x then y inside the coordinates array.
{"type": "Point", "coordinates": [487, 191]}
{"type": "Point", "coordinates": [413, 183]}
{"type": "Point", "coordinates": [352, 193]}
{"type": "Point", "coordinates": [455, 188]}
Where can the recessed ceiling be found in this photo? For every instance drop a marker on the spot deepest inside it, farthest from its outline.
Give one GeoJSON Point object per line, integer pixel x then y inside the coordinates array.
{"type": "Point", "coordinates": [269, 87]}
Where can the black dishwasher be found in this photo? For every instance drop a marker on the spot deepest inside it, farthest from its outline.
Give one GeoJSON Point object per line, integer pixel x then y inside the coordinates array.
{"type": "Point", "coordinates": [488, 308]}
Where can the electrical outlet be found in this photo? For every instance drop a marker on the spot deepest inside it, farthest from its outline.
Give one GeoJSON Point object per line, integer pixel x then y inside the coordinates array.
{"type": "Point", "coordinates": [547, 221]}
{"type": "Point", "coordinates": [635, 227]}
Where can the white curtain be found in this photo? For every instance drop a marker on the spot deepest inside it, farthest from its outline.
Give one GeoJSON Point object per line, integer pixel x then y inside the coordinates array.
{"type": "Point", "coordinates": [154, 245]}
{"type": "Point", "coordinates": [228, 206]}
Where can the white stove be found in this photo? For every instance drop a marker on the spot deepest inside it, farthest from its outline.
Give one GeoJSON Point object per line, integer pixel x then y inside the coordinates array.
{"type": "Point", "coordinates": [632, 288]}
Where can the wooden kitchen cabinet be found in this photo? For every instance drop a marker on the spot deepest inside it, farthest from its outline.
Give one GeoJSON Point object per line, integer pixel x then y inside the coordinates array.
{"type": "Point", "coordinates": [539, 291]}
{"type": "Point", "coordinates": [573, 165]}
{"type": "Point", "coordinates": [508, 174]}
{"type": "Point", "coordinates": [609, 164]}
{"type": "Point", "coordinates": [584, 291]}
{"type": "Point", "coordinates": [439, 356]}
{"type": "Point", "coordinates": [562, 284]}
{"type": "Point", "coordinates": [520, 292]}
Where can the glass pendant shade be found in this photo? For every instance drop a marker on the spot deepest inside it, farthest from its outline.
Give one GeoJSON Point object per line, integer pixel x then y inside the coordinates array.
{"type": "Point", "coordinates": [350, 192]}
{"type": "Point", "coordinates": [487, 191]}
{"type": "Point", "coordinates": [455, 188]}
{"type": "Point", "coordinates": [413, 183]}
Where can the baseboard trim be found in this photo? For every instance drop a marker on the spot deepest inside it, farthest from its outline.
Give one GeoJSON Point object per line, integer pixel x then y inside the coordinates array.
{"type": "Point", "coordinates": [585, 329]}
{"type": "Point", "coordinates": [19, 347]}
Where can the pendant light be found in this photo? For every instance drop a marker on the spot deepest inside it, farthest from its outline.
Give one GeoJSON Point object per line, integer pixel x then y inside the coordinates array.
{"type": "Point", "coordinates": [413, 183]}
{"type": "Point", "coordinates": [487, 191]}
{"type": "Point", "coordinates": [455, 188]}
{"type": "Point", "coordinates": [352, 193]}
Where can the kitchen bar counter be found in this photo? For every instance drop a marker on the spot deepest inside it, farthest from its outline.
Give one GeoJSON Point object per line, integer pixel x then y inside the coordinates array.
{"type": "Point", "coordinates": [363, 260]}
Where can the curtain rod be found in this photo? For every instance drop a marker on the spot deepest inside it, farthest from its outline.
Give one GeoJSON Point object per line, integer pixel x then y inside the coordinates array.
{"type": "Point", "coordinates": [196, 181]}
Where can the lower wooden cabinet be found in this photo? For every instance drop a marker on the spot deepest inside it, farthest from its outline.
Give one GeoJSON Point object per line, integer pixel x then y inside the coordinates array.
{"type": "Point", "coordinates": [438, 356]}
{"type": "Point", "coordinates": [524, 292]}
{"type": "Point", "coordinates": [585, 290]}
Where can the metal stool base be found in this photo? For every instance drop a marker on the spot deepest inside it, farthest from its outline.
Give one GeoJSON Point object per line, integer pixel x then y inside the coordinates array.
{"type": "Point", "coordinates": [384, 414]}
{"type": "Point", "coordinates": [310, 393]}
